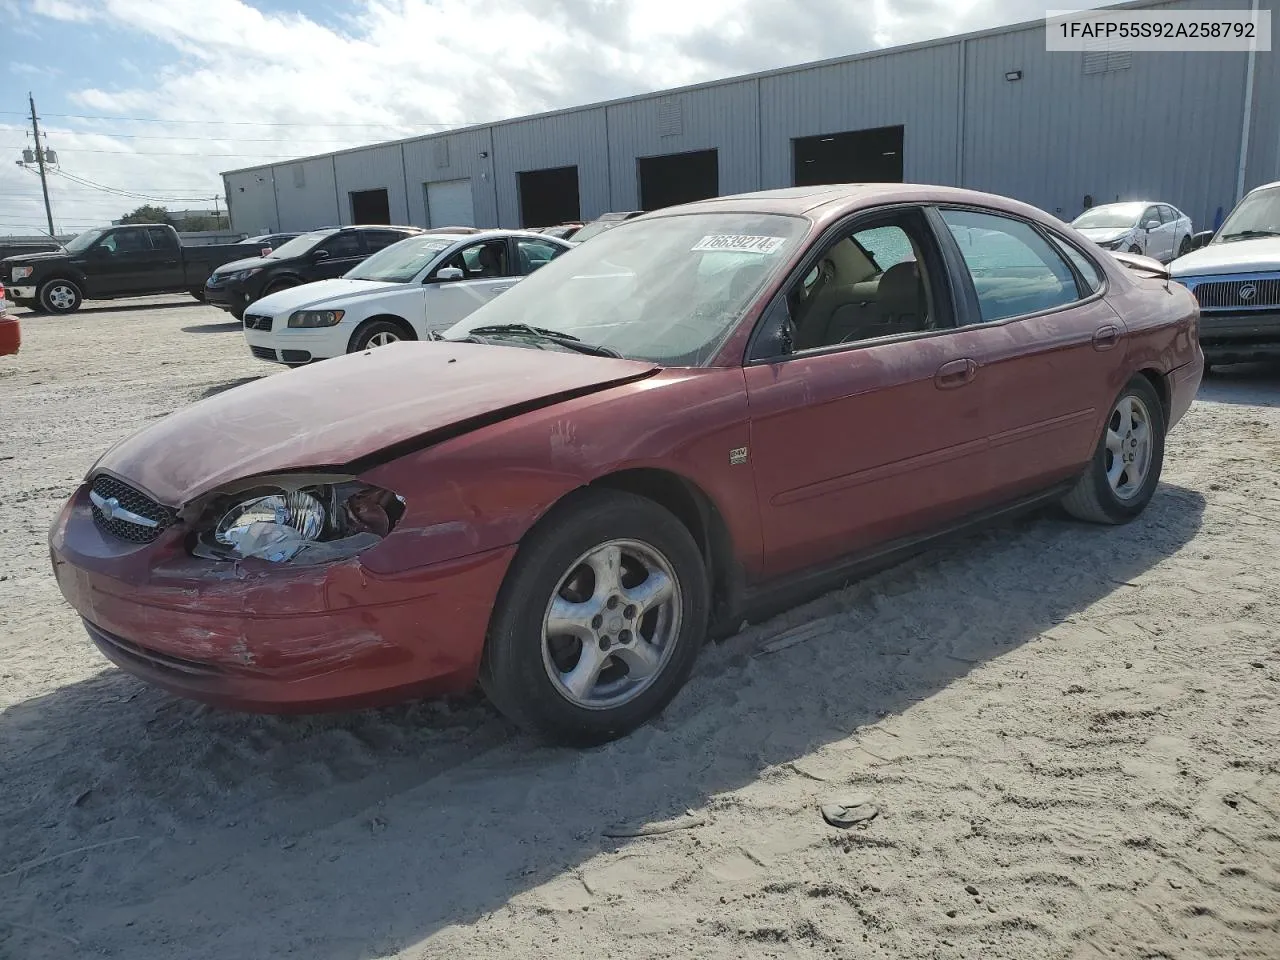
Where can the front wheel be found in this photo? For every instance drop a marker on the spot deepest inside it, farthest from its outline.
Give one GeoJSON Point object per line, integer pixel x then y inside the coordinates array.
{"type": "Point", "coordinates": [1135, 249]}
{"type": "Point", "coordinates": [1126, 464]}
{"type": "Point", "coordinates": [197, 293]}
{"type": "Point", "coordinates": [376, 333]}
{"type": "Point", "coordinates": [599, 621]}
{"type": "Point", "coordinates": [61, 296]}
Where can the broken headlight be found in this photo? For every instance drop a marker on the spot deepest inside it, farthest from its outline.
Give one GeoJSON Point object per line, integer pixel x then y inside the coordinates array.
{"type": "Point", "coordinates": [296, 520]}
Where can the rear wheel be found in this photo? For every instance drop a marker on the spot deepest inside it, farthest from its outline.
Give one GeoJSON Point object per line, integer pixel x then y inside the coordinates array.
{"type": "Point", "coordinates": [1185, 246]}
{"type": "Point", "coordinates": [61, 296]}
{"type": "Point", "coordinates": [599, 621]}
{"type": "Point", "coordinates": [1126, 464]}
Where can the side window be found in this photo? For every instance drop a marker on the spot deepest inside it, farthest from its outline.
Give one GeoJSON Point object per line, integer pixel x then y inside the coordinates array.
{"type": "Point", "coordinates": [533, 255]}
{"type": "Point", "coordinates": [1014, 269]}
{"type": "Point", "coordinates": [160, 239]}
{"type": "Point", "coordinates": [852, 295]}
{"type": "Point", "coordinates": [1151, 213]}
{"type": "Point", "coordinates": [1088, 269]}
{"type": "Point", "coordinates": [377, 240]}
{"type": "Point", "coordinates": [127, 241]}
{"type": "Point", "coordinates": [485, 260]}
{"type": "Point", "coordinates": [343, 246]}
{"type": "Point", "coordinates": [1168, 214]}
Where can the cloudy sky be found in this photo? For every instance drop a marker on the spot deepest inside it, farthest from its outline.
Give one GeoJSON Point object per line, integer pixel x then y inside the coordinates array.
{"type": "Point", "coordinates": [153, 99]}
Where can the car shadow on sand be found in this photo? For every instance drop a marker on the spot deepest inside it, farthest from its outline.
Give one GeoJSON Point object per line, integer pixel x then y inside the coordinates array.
{"type": "Point", "coordinates": [216, 388]}
{"type": "Point", "coordinates": [122, 306]}
{"type": "Point", "coordinates": [170, 829]}
{"type": "Point", "coordinates": [230, 326]}
{"type": "Point", "coordinates": [1250, 384]}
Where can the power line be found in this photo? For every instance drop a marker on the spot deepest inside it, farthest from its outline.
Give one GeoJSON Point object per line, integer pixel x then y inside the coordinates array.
{"type": "Point", "coordinates": [131, 194]}
{"type": "Point", "coordinates": [263, 123]}
{"type": "Point", "coordinates": [146, 153]}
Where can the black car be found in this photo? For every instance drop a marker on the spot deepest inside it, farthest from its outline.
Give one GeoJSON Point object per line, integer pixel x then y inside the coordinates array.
{"type": "Point", "coordinates": [318, 255]}
{"type": "Point", "coordinates": [269, 241]}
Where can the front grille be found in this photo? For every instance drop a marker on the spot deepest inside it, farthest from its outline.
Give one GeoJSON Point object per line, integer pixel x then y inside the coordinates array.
{"type": "Point", "coordinates": [1264, 292]}
{"type": "Point", "coordinates": [253, 321]}
{"type": "Point", "coordinates": [145, 656]}
{"type": "Point", "coordinates": [263, 353]}
{"type": "Point", "coordinates": [135, 502]}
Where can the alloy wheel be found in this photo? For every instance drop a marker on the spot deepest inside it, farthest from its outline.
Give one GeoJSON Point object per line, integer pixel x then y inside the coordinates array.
{"type": "Point", "coordinates": [1129, 447]}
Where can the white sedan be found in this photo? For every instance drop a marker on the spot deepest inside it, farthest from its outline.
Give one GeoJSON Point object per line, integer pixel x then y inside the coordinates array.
{"type": "Point", "coordinates": [407, 291]}
{"type": "Point", "coordinates": [1156, 230]}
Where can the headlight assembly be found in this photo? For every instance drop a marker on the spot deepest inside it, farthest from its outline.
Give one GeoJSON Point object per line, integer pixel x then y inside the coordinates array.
{"type": "Point", "coordinates": [21, 273]}
{"type": "Point", "coordinates": [315, 318]}
{"type": "Point", "coordinates": [242, 275]}
{"type": "Point", "coordinates": [299, 520]}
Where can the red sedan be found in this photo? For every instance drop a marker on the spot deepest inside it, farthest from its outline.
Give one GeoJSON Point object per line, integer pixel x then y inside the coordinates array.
{"type": "Point", "coordinates": [699, 412]}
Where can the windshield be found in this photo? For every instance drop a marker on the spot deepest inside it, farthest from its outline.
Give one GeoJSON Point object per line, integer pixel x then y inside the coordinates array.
{"type": "Point", "coordinates": [669, 290]}
{"type": "Point", "coordinates": [299, 245]}
{"type": "Point", "coordinates": [1103, 218]}
{"type": "Point", "coordinates": [84, 241]}
{"type": "Point", "coordinates": [1258, 213]}
{"type": "Point", "coordinates": [400, 262]}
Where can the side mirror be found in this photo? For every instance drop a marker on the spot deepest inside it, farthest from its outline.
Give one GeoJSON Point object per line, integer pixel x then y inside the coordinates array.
{"type": "Point", "coordinates": [1201, 239]}
{"type": "Point", "coordinates": [319, 255]}
{"type": "Point", "coordinates": [446, 274]}
{"type": "Point", "coordinates": [1150, 225]}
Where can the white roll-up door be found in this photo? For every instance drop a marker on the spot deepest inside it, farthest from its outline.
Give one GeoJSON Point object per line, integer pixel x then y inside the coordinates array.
{"type": "Point", "coordinates": [449, 204]}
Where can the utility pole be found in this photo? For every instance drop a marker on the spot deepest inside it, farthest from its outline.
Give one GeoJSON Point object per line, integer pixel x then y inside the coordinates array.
{"type": "Point", "coordinates": [44, 183]}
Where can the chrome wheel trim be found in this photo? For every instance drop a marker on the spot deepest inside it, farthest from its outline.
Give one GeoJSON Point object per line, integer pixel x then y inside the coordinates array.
{"type": "Point", "coordinates": [61, 296]}
{"type": "Point", "coordinates": [611, 625]}
{"type": "Point", "coordinates": [382, 339]}
{"type": "Point", "coordinates": [1129, 447]}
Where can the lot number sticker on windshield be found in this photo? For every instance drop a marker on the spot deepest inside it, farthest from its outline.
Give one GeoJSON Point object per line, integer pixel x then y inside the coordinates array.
{"type": "Point", "coordinates": [739, 243]}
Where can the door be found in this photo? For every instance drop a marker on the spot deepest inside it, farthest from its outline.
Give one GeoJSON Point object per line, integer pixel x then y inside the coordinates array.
{"type": "Point", "coordinates": [1053, 345]}
{"type": "Point", "coordinates": [1149, 236]}
{"type": "Point", "coordinates": [119, 264]}
{"type": "Point", "coordinates": [1169, 231]}
{"type": "Point", "coordinates": [449, 203]}
{"type": "Point", "coordinates": [342, 252]}
{"type": "Point", "coordinates": [167, 269]}
{"type": "Point", "coordinates": [532, 254]}
{"type": "Point", "coordinates": [872, 429]}
{"type": "Point", "coordinates": [487, 270]}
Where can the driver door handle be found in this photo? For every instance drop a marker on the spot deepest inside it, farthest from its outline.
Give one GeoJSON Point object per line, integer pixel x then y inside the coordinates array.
{"type": "Point", "coordinates": [955, 373]}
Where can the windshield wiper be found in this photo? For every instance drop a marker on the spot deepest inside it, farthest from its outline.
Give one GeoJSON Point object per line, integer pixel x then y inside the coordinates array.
{"type": "Point", "coordinates": [1247, 234]}
{"type": "Point", "coordinates": [551, 336]}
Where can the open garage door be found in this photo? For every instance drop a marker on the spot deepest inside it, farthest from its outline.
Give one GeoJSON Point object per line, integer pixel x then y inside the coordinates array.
{"type": "Point", "coordinates": [549, 197]}
{"type": "Point", "coordinates": [449, 204]}
{"type": "Point", "coordinates": [678, 178]}
{"type": "Point", "coordinates": [370, 206]}
{"type": "Point", "coordinates": [857, 156]}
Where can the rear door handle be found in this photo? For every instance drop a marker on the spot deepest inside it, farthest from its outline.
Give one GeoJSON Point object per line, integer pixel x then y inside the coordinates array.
{"type": "Point", "coordinates": [955, 373]}
{"type": "Point", "coordinates": [1106, 337]}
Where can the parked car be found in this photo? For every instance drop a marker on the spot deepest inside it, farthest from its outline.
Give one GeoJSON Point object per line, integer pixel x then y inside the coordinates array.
{"type": "Point", "coordinates": [562, 231]}
{"type": "Point", "coordinates": [317, 255]}
{"type": "Point", "coordinates": [10, 331]}
{"type": "Point", "coordinates": [1157, 230]}
{"type": "Point", "coordinates": [1236, 279]}
{"type": "Point", "coordinates": [110, 262]}
{"type": "Point", "coordinates": [604, 222]}
{"type": "Point", "coordinates": [269, 241]}
{"type": "Point", "coordinates": [422, 284]}
{"type": "Point", "coordinates": [702, 412]}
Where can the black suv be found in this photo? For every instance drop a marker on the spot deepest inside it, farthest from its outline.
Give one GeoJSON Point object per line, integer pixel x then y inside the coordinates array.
{"type": "Point", "coordinates": [318, 255]}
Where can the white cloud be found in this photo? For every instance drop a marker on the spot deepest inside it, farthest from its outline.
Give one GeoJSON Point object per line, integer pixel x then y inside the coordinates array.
{"type": "Point", "coordinates": [399, 66]}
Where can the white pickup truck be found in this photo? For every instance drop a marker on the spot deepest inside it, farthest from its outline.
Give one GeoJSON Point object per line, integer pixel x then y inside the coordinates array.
{"type": "Point", "coordinates": [1236, 277]}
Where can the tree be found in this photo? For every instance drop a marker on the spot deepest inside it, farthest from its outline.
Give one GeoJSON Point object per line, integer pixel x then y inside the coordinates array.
{"type": "Point", "coordinates": [147, 214]}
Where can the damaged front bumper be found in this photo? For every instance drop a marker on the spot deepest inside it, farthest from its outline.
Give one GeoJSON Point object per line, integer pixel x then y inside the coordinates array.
{"type": "Point", "coordinates": [274, 638]}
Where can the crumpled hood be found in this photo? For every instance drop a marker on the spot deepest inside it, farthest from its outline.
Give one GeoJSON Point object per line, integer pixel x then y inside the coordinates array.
{"type": "Point", "coordinates": [1104, 234]}
{"type": "Point", "coordinates": [340, 410]}
{"type": "Point", "coordinates": [1234, 256]}
{"type": "Point", "coordinates": [323, 294]}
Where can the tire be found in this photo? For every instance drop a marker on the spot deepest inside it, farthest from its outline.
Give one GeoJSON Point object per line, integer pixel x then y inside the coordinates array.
{"type": "Point", "coordinates": [197, 293]}
{"type": "Point", "coordinates": [377, 333]}
{"type": "Point", "coordinates": [277, 285]}
{"type": "Point", "coordinates": [1185, 246]}
{"type": "Point", "coordinates": [1100, 497]}
{"type": "Point", "coordinates": [238, 313]}
{"type": "Point", "coordinates": [521, 657]}
{"type": "Point", "coordinates": [60, 297]}
{"type": "Point", "coordinates": [1136, 249]}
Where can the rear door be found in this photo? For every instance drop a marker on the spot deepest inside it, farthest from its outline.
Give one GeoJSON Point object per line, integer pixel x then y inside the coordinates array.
{"type": "Point", "coordinates": [345, 249]}
{"type": "Point", "coordinates": [532, 254]}
{"type": "Point", "coordinates": [872, 429]}
{"type": "Point", "coordinates": [488, 268]}
{"type": "Point", "coordinates": [1052, 344]}
{"type": "Point", "coordinates": [167, 271]}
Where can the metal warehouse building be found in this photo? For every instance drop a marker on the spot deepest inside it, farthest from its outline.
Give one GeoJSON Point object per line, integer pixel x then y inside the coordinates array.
{"type": "Point", "coordinates": [991, 111]}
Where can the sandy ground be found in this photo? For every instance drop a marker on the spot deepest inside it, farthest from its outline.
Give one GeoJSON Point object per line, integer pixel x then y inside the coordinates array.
{"type": "Point", "coordinates": [1072, 735]}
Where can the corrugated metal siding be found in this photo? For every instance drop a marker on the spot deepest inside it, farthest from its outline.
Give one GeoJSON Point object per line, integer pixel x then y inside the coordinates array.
{"type": "Point", "coordinates": [251, 199]}
{"type": "Point", "coordinates": [305, 194]}
{"type": "Point", "coordinates": [566, 140]}
{"type": "Point", "coordinates": [371, 169]}
{"type": "Point", "coordinates": [916, 89]}
{"type": "Point", "coordinates": [725, 119]}
{"type": "Point", "coordinates": [1264, 134]}
{"type": "Point", "coordinates": [461, 154]}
